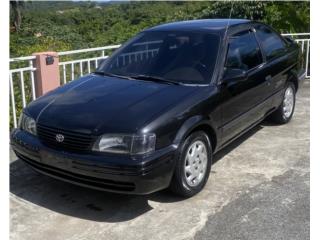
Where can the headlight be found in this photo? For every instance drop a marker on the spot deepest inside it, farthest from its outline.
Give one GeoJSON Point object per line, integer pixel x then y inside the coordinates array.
{"type": "Point", "coordinates": [129, 144]}
{"type": "Point", "coordinates": [28, 124]}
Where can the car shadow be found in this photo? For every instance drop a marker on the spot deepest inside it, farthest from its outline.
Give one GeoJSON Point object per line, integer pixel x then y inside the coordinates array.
{"type": "Point", "coordinates": [237, 142]}
{"type": "Point", "coordinates": [84, 203]}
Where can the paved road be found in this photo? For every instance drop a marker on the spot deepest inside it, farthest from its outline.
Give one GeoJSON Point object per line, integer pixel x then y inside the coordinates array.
{"type": "Point", "coordinates": [258, 189]}
{"type": "Point", "coordinates": [277, 209]}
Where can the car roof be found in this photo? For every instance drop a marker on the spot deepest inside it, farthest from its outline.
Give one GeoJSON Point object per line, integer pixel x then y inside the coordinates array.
{"type": "Point", "coordinates": [202, 25]}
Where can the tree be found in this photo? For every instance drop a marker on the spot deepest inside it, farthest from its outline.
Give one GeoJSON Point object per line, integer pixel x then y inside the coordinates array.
{"type": "Point", "coordinates": [289, 16]}
{"type": "Point", "coordinates": [17, 17]}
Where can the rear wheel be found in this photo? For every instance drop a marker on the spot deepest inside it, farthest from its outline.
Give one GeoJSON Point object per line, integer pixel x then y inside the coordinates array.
{"type": "Point", "coordinates": [193, 165]}
{"type": "Point", "coordinates": [285, 111]}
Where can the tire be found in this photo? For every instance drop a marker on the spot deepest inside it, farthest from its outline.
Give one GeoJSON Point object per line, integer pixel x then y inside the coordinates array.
{"type": "Point", "coordinates": [182, 182]}
{"type": "Point", "coordinates": [281, 115]}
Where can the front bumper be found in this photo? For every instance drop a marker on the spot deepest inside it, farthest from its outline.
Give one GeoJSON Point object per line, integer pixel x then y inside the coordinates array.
{"type": "Point", "coordinates": [108, 172]}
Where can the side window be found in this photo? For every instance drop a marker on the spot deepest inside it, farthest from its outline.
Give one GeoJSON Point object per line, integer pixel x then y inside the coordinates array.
{"type": "Point", "coordinates": [272, 44]}
{"type": "Point", "coordinates": [243, 51]}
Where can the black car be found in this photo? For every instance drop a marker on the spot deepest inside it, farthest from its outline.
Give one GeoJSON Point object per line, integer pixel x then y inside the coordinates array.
{"type": "Point", "coordinates": [154, 113]}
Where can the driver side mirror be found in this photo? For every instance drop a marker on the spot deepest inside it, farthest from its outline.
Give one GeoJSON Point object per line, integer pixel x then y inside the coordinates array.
{"type": "Point", "coordinates": [234, 74]}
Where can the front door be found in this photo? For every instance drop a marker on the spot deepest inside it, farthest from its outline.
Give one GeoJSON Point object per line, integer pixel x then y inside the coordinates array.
{"type": "Point", "coordinates": [242, 96]}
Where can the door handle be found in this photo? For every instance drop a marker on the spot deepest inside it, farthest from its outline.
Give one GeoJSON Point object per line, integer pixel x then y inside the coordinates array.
{"type": "Point", "coordinates": [268, 78]}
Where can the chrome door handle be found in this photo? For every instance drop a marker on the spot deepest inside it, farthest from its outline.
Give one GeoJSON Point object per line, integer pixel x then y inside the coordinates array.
{"type": "Point", "coordinates": [268, 78]}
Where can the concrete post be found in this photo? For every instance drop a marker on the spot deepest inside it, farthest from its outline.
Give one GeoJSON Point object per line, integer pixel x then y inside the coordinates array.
{"type": "Point", "coordinates": [47, 72]}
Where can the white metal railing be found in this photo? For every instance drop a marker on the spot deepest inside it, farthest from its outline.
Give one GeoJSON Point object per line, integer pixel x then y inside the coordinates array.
{"type": "Point", "coordinates": [83, 62]}
{"type": "Point", "coordinates": [21, 80]}
{"type": "Point", "coordinates": [21, 73]}
{"type": "Point", "coordinates": [89, 64]}
{"type": "Point", "coordinates": [304, 40]}
{"type": "Point", "coordinates": [135, 56]}
{"type": "Point", "coordinates": [295, 34]}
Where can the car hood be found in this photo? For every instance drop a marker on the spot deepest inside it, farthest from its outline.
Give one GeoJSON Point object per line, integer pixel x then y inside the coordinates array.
{"type": "Point", "coordinates": [97, 104]}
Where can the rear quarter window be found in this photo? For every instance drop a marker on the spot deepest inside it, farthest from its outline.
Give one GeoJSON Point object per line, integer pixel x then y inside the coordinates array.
{"type": "Point", "coordinates": [243, 51]}
{"type": "Point", "coordinates": [271, 43]}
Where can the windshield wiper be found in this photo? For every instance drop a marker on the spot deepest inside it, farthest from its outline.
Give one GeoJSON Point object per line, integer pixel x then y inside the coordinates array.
{"type": "Point", "coordinates": [154, 79]}
{"type": "Point", "coordinates": [139, 77]}
{"type": "Point", "coordinates": [110, 74]}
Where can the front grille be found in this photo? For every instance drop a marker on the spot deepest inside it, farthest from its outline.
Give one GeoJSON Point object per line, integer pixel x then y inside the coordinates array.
{"type": "Point", "coordinates": [73, 141]}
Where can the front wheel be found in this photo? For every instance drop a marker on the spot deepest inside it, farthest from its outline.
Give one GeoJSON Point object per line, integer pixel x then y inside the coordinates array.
{"type": "Point", "coordinates": [285, 111]}
{"type": "Point", "coordinates": [193, 165]}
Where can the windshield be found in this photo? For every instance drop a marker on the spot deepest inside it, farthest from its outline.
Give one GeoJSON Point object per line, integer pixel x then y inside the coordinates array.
{"type": "Point", "coordinates": [183, 57]}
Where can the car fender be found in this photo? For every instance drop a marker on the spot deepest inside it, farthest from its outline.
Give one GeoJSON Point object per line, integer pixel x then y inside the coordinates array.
{"type": "Point", "coordinates": [189, 125]}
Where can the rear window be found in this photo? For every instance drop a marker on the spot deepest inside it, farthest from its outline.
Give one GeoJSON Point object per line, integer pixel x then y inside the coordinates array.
{"type": "Point", "coordinates": [185, 57]}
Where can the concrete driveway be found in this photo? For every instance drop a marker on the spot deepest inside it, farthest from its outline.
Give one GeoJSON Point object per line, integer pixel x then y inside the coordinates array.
{"type": "Point", "coordinates": [258, 189]}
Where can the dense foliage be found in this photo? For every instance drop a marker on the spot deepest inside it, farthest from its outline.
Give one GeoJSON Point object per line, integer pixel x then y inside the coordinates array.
{"type": "Point", "coordinates": [73, 25]}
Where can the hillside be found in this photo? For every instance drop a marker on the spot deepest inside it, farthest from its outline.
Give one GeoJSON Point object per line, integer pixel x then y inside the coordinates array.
{"type": "Point", "coordinates": [73, 25]}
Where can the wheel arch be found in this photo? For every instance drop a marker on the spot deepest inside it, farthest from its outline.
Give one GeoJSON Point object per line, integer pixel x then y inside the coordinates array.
{"type": "Point", "coordinates": [197, 123]}
{"type": "Point", "coordinates": [293, 77]}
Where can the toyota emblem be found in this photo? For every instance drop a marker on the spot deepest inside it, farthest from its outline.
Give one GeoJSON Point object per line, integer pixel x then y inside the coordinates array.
{"type": "Point", "coordinates": [59, 138]}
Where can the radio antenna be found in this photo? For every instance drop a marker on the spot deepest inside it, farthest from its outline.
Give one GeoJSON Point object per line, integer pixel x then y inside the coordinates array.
{"type": "Point", "coordinates": [230, 14]}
